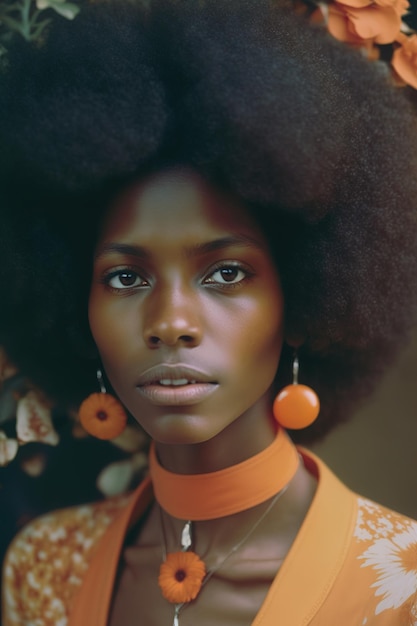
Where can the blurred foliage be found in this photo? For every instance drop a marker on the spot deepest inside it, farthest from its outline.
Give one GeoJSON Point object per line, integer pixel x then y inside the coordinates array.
{"type": "Point", "coordinates": [29, 19]}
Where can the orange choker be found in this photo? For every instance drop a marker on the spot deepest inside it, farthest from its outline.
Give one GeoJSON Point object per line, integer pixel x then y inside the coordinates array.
{"type": "Point", "coordinates": [234, 489]}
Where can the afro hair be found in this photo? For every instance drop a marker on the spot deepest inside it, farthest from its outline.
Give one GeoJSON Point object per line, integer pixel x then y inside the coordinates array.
{"type": "Point", "coordinates": [308, 134]}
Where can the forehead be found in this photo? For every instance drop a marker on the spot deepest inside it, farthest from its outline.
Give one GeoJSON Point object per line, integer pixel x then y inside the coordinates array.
{"type": "Point", "coordinates": [176, 204]}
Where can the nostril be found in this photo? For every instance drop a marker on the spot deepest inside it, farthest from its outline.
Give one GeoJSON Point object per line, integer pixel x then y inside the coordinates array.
{"type": "Point", "coordinates": [187, 339]}
{"type": "Point", "coordinates": [154, 340]}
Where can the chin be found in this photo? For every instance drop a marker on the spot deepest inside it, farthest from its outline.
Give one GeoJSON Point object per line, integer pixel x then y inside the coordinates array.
{"type": "Point", "coordinates": [177, 429]}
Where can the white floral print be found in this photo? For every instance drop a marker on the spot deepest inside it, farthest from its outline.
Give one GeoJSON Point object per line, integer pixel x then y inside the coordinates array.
{"type": "Point", "coordinates": [391, 551]}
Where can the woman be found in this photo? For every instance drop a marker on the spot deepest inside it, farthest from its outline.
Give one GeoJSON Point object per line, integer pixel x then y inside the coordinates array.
{"type": "Point", "coordinates": [229, 189]}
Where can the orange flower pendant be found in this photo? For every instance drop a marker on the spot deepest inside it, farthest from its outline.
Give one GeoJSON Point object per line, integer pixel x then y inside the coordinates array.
{"type": "Point", "coordinates": [181, 576]}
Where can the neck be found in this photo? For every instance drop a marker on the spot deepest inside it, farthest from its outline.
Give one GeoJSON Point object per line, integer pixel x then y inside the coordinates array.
{"type": "Point", "coordinates": [213, 538]}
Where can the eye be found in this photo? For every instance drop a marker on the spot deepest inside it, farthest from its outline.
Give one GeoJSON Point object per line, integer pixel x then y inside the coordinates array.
{"type": "Point", "coordinates": [226, 275]}
{"type": "Point", "coordinates": [124, 279]}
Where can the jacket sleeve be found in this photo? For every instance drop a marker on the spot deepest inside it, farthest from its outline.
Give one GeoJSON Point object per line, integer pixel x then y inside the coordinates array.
{"type": "Point", "coordinates": [46, 563]}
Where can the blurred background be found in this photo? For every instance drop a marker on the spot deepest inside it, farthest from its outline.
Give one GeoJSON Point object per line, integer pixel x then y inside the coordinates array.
{"type": "Point", "coordinates": [376, 453]}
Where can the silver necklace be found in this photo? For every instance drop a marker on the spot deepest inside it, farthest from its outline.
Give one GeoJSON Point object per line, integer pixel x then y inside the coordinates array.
{"type": "Point", "coordinates": [187, 541]}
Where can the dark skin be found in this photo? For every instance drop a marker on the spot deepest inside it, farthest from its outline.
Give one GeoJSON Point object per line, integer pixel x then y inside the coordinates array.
{"type": "Point", "coordinates": [186, 309]}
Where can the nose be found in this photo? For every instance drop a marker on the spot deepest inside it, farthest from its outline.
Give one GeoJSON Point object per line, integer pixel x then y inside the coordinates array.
{"type": "Point", "coordinates": [172, 318]}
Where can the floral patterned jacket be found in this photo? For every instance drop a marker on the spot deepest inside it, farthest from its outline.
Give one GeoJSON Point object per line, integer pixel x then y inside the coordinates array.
{"type": "Point", "coordinates": [353, 563]}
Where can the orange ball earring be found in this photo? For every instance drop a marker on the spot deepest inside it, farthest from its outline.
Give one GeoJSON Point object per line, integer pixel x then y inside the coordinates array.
{"type": "Point", "coordinates": [101, 415]}
{"type": "Point", "coordinates": [296, 406]}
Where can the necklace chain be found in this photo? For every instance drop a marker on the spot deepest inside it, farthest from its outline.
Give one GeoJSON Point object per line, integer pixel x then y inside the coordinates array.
{"type": "Point", "coordinates": [186, 542]}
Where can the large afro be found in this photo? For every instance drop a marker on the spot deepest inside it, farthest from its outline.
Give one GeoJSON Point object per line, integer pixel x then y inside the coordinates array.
{"type": "Point", "coordinates": [305, 132]}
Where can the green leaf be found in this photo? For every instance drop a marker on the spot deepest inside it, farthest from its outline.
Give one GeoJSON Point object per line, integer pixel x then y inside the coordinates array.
{"type": "Point", "coordinates": [14, 7]}
{"type": "Point", "coordinates": [39, 28]}
{"type": "Point", "coordinates": [12, 24]}
{"type": "Point", "coordinates": [66, 9]}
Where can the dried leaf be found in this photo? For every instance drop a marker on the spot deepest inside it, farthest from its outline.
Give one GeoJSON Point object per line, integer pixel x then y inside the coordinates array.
{"type": "Point", "coordinates": [8, 449]}
{"type": "Point", "coordinates": [117, 477]}
{"type": "Point", "coordinates": [7, 369]}
{"type": "Point", "coordinates": [131, 440]}
{"type": "Point", "coordinates": [34, 421]}
{"type": "Point", "coordinates": [34, 465]}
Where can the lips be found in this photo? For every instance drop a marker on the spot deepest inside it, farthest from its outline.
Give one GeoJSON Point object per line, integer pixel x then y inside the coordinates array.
{"type": "Point", "coordinates": [178, 374]}
{"type": "Point", "coordinates": [175, 385]}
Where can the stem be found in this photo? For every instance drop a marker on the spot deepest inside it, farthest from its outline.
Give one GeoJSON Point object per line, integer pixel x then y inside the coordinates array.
{"type": "Point", "coordinates": [25, 15]}
{"type": "Point", "coordinates": [37, 31]}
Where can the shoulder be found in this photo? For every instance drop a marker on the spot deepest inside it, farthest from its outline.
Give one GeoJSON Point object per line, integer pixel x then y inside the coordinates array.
{"type": "Point", "coordinates": [383, 537]}
{"type": "Point", "coordinates": [383, 563]}
{"type": "Point", "coordinates": [386, 542]}
{"type": "Point", "coordinates": [47, 560]}
{"type": "Point", "coordinates": [373, 560]}
{"type": "Point", "coordinates": [375, 522]}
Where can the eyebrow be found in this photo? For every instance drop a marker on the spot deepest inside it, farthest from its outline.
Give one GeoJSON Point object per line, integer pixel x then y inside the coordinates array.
{"type": "Point", "coordinates": [224, 242]}
{"type": "Point", "coordinates": [121, 248]}
{"type": "Point", "coordinates": [195, 250]}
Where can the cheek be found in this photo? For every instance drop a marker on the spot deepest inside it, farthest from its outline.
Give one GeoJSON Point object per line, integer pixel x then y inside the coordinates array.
{"type": "Point", "coordinates": [258, 335]}
{"type": "Point", "coordinates": [266, 337]}
{"type": "Point", "coordinates": [254, 351]}
{"type": "Point", "coordinates": [105, 327]}
{"type": "Point", "coordinates": [96, 319]}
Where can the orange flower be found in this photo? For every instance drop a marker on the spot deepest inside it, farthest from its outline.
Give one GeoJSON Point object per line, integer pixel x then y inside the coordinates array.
{"type": "Point", "coordinates": [181, 576]}
{"type": "Point", "coordinates": [399, 6]}
{"type": "Point", "coordinates": [404, 60]}
{"type": "Point", "coordinates": [373, 23]}
{"type": "Point", "coordinates": [102, 416]}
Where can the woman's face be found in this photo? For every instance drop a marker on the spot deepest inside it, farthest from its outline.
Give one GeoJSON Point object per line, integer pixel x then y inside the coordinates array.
{"type": "Point", "coordinates": [186, 308]}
